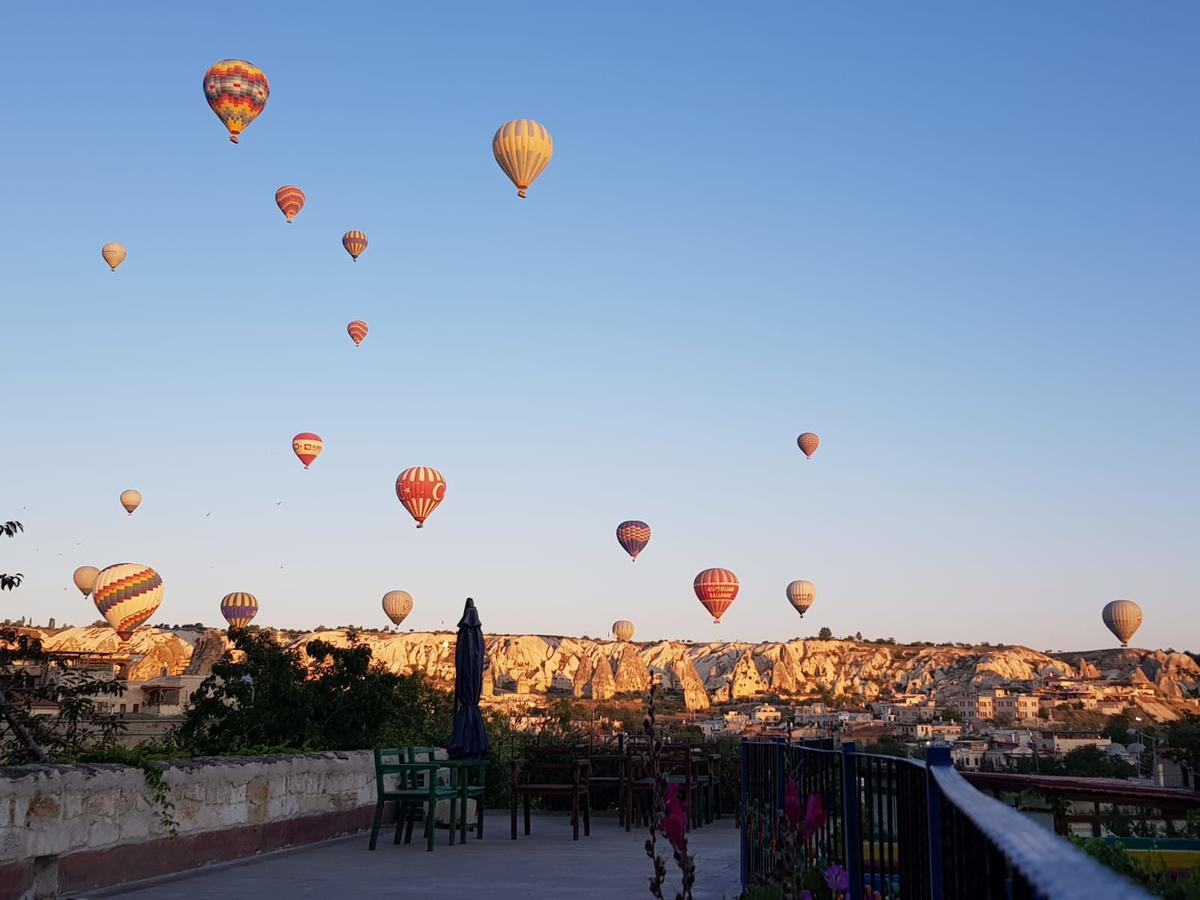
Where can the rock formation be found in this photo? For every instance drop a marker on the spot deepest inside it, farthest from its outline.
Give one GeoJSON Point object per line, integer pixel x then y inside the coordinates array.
{"type": "Point", "coordinates": [633, 677]}
{"type": "Point", "coordinates": [745, 682]}
{"type": "Point", "coordinates": [691, 684]}
{"type": "Point", "coordinates": [603, 687]}
{"type": "Point", "coordinates": [582, 681]}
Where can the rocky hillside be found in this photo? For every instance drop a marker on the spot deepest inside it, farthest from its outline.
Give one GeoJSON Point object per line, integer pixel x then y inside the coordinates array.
{"type": "Point", "coordinates": [705, 673]}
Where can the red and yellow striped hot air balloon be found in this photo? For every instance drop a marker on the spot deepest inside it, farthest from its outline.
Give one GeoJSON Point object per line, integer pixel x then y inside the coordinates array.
{"type": "Point", "coordinates": [290, 200]}
{"type": "Point", "coordinates": [307, 446]}
{"type": "Point", "coordinates": [808, 443]}
{"type": "Point", "coordinates": [357, 331]}
{"type": "Point", "coordinates": [523, 149]}
{"type": "Point", "coordinates": [127, 594]}
{"type": "Point", "coordinates": [355, 243]}
{"type": "Point", "coordinates": [716, 588]}
{"type": "Point", "coordinates": [420, 489]}
{"type": "Point", "coordinates": [237, 91]}
{"type": "Point", "coordinates": [239, 608]}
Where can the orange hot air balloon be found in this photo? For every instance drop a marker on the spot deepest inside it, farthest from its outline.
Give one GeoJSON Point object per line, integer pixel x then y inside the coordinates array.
{"type": "Point", "coordinates": [523, 149]}
{"type": "Point", "coordinates": [355, 243]}
{"type": "Point", "coordinates": [307, 446]}
{"type": "Point", "coordinates": [808, 443]}
{"type": "Point", "coordinates": [290, 200]}
{"type": "Point", "coordinates": [716, 588]}
{"type": "Point", "coordinates": [131, 500]}
{"type": "Point", "coordinates": [237, 91]}
{"type": "Point", "coordinates": [114, 254]}
{"type": "Point", "coordinates": [420, 489]}
{"type": "Point", "coordinates": [357, 331]}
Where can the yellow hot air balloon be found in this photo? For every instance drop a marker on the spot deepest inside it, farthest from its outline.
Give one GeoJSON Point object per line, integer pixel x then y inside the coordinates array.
{"type": "Point", "coordinates": [85, 579]}
{"type": "Point", "coordinates": [127, 594]}
{"type": "Point", "coordinates": [397, 605]}
{"type": "Point", "coordinates": [1123, 618]}
{"type": "Point", "coordinates": [622, 629]}
{"type": "Point", "coordinates": [523, 149]}
{"type": "Point", "coordinates": [131, 500]}
{"type": "Point", "coordinates": [114, 254]}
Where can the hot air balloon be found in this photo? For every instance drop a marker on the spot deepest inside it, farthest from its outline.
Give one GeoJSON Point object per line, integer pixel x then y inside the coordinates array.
{"type": "Point", "coordinates": [1123, 618]}
{"type": "Point", "coordinates": [801, 595]}
{"type": "Point", "coordinates": [307, 446]}
{"type": "Point", "coordinates": [131, 500]}
{"type": "Point", "coordinates": [85, 579]}
{"type": "Point", "coordinates": [397, 605]}
{"type": "Point", "coordinates": [237, 91]}
{"type": "Point", "coordinates": [523, 148]}
{"type": "Point", "coordinates": [239, 608]}
{"type": "Point", "coordinates": [808, 442]}
{"type": "Point", "coordinates": [127, 594]}
{"type": "Point", "coordinates": [622, 629]}
{"type": "Point", "coordinates": [716, 589]}
{"type": "Point", "coordinates": [114, 255]}
{"type": "Point", "coordinates": [420, 489]}
{"type": "Point", "coordinates": [357, 331]}
{"type": "Point", "coordinates": [355, 243]}
{"type": "Point", "coordinates": [290, 200]}
{"type": "Point", "coordinates": [633, 536]}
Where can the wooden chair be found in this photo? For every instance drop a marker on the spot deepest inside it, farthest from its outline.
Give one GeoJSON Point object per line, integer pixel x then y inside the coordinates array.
{"type": "Point", "coordinates": [408, 795]}
{"type": "Point", "coordinates": [608, 773]}
{"type": "Point", "coordinates": [677, 764]}
{"type": "Point", "coordinates": [468, 790]}
{"type": "Point", "coordinates": [546, 772]}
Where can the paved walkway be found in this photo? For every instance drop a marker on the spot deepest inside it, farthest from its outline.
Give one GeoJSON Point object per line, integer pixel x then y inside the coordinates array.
{"type": "Point", "coordinates": [548, 863]}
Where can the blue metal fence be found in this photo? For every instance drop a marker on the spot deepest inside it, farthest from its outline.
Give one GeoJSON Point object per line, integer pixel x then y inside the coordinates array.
{"type": "Point", "coordinates": [904, 828]}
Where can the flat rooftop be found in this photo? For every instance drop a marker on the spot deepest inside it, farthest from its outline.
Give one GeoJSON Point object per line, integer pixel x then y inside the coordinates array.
{"type": "Point", "coordinates": [610, 863]}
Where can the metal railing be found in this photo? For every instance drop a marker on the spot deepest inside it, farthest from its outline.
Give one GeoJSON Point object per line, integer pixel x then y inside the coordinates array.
{"type": "Point", "coordinates": [905, 828]}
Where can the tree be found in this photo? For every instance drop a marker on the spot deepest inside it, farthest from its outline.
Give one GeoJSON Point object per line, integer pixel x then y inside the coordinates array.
{"type": "Point", "coordinates": [825, 634]}
{"type": "Point", "coordinates": [11, 582]}
{"type": "Point", "coordinates": [268, 698]}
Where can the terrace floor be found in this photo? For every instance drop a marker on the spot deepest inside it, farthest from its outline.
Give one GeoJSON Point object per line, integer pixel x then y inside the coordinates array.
{"type": "Point", "coordinates": [548, 863]}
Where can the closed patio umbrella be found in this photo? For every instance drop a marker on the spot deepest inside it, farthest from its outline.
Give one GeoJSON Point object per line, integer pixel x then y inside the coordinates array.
{"type": "Point", "coordinates": [469, 740]}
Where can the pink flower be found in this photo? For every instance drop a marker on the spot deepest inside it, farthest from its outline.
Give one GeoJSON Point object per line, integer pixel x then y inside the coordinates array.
{"type": "Point", "coordinates": [837, 878]}
{"type": "Point", "coordinates": [674, 823]}
{"type": "Point", "coordinates": [814, 817]}
{"type": "Point", "coordinates": [791, 802]}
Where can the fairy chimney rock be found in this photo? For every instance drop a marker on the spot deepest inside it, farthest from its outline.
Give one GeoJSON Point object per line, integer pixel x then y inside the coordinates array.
{"type": "Point", "coordinates": [632, 675]}
{"type": "Point", "coordinates": [745, 682]}
{"type": "Point", "coordinates": [603, 686]}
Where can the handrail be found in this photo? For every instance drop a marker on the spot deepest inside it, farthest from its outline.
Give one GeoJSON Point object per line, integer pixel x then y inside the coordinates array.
{"type": "Point", "coordinates": [1051, 864]}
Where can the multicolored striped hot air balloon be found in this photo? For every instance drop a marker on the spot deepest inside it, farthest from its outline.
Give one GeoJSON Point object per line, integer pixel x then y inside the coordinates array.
{"type": "Point", "coordinates": [237, 91]}
{"type": "Point", "coordinates": [131, 500]}
{"type": "Point", "coordinates": [355, 243]}
{"type": "Point", "coordinates": [307, 446]}
{"type": "Point", "coordinates": [239, 608]}
{"type": "Point", "coordinates": [716, 588]}
{"type": "Point", "coordinates": [523, 149]}
{"type": "Point", "coordinates": [622, 629]}
{"type": "Point", "coordinates": [633, 536]}
{"type": "Point", "coordinates": [127, 594]}
{"type": "Point", "coordinates": [85, 579]}
{"type": "Point", "coordinates": [801, 595]}
{"type": "Point", "coordinates": [1123, 618]}
{"type": "Point", "coordinates": [397, 605]}
{"type": "Point", "coordinates": [808, 443]}
{"type": "Point", "coordinates": [357, 331]}
{"type": "Point", "coordinates": [114, 254]}
{"type": "Point", "coordinates": [290, 200]}
{"type": "Point", "coordinates": [420, 489]}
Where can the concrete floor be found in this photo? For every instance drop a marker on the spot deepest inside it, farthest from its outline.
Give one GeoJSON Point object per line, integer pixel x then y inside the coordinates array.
{"type": "Point", "coordinates": [548, 863]}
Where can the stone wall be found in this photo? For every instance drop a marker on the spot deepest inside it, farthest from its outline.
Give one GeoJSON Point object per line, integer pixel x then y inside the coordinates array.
{"type": "Point", "coordinates": [65, 829]}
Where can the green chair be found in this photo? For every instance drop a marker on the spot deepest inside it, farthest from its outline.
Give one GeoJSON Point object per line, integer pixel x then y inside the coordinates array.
{"type": "Point", "coordinates": [408, 794]}
{"type": "Point", "coordinates": [462, 769]}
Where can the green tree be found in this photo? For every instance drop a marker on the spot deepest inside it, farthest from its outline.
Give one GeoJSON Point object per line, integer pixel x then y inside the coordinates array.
{"type": "Point", "coordinates": [825, 634]}
{"type": "Point", "coordinates": [266, 697]}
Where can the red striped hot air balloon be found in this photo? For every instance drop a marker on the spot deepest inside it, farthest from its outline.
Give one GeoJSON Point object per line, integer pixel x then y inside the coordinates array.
{"type": "Point", "coordinates": [127, 594]}
{"type": "Point", "coordinates": [357, 331]}
{"type": "Point", "coordinates": [290, 200]}
{"type": "Point", "coordinates": [716, 588]}
{"type": "Point", "coordinates": [239, 608]}
{"type": "Point", "coordinates": [307, 446]}
{"type": "Point", "coordinates": [808, 443]}
{"type": "Point", "coordinates": [633, 536]}
{"type": "Point", "coordinates": [420, 489]}
{"type": "Point", "coordinates": [355, 243]}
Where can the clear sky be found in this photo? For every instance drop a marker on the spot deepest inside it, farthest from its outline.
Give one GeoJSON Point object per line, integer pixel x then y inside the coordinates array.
{"type": "Point", "coordinates": [959, 243]}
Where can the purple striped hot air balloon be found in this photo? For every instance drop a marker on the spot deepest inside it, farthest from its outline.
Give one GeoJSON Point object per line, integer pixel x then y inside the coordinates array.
{"type": "Point", "coordinates": [239, 608]}
{"type": "Point", "coordinates": [633, 536]}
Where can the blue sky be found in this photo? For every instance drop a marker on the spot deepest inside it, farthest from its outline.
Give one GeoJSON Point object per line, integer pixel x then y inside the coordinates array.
{"type": "Point", "coordinates": [959, 243]}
